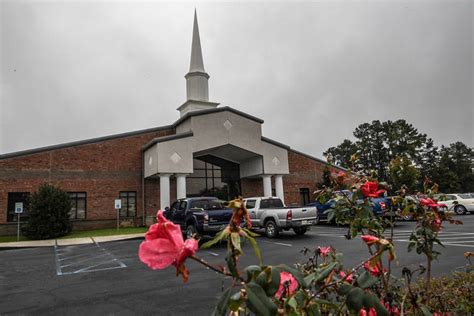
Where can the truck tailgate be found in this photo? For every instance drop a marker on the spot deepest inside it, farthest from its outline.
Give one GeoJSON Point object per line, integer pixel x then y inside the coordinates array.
{"type": "Point", "coordinates": [303, 213]}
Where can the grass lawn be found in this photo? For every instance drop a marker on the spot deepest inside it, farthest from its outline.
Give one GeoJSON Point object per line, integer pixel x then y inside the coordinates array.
{"type": "Point", "coordinates": [88, 233]}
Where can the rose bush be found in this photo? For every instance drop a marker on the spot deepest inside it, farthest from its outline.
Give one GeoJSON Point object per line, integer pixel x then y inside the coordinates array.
{"type": "Point", "coordinates": [321, 285]}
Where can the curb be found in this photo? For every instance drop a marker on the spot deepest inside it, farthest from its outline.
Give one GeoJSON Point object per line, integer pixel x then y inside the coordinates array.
{"type": "Point", "coordinates": [67, 241]}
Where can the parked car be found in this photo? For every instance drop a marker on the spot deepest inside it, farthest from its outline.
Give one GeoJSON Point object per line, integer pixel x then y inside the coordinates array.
{"type": "Point", "coordinates": [199, 215]}
{"type": "Point", "coordinates": [271, 214]}
{"type": "Point", "coordinates": [461, 203]}
{"type": "Point", "coordinates": [380, 206]}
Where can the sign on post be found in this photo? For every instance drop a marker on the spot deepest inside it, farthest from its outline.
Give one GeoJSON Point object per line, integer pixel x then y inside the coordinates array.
{"type": "Point", "coordinates": [19, 207]}
{"type": "Point", "coordinates": [18, 211]}
{"type": "Point", "coordinates": [118, 206]}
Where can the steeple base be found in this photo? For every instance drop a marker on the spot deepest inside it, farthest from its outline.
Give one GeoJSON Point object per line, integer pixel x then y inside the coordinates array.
{"type": "Point", "coordinates": [195, 105]}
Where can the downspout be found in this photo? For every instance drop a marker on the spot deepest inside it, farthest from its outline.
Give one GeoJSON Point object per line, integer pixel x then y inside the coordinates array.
{"type": "Point", "coordinates": [143, 189]}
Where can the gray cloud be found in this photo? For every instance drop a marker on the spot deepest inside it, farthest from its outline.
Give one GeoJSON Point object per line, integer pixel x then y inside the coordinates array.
{"type": "Point", "coordinates": [312, 70]}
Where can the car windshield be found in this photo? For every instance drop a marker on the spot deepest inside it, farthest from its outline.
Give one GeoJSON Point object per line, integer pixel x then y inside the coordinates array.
{"type": "Point", "coordinates": [207, 205]}
{"type": "Point", "coordinates": [465, 196]}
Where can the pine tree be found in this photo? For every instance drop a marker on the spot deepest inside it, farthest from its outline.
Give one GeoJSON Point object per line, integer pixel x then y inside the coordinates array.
{"type": "Point", "coordinates": [48, 213]}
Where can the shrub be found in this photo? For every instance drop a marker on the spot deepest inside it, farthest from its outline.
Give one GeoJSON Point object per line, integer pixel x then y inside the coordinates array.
{"type": "Point", "coordinates": [48, 213]}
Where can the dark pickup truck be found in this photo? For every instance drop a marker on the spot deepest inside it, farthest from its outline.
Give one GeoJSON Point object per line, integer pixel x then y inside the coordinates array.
{"type": "Point", "coordinates": [199, 215]}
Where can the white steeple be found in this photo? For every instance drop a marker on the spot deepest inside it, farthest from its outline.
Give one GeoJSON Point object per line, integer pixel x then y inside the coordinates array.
{"type": "Point", "coordinates": [197, 86]}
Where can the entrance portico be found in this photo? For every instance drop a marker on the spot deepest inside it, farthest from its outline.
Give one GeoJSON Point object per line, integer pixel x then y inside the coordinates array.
{"type": "Point", "coordinates": [223, 133]}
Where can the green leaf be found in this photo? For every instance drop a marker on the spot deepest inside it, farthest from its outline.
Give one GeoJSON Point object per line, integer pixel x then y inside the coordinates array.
{"type": "Point", "coordinates": [274, 282]}
{"type": "Point", "coordinates": [250, 233]}
{"type": "Point", "coordinates": [425, 311]}
{"type": "Point", "coordinates": [355, 299]}
{"type": "Point", "coordinates": [325, 272]}
{"type": "Point", "coordinates": [325, 302]}
{"type": "Point", "coordinates": [331, 213]}
{"type": "Point", "coordinates": [235, 301]}
{"type": "Point", "coordinates": [313, 310]}
{"type": "Point", "coordinates": [252, 272]}
{"type": "Point", "coordinates": [263, 278]}
{"type": "Point", "coordinates": [221, 235]}
{"type": "Point", "coordinates": [235, 239]}
{"type": "Point", "coordinates": [366, 280]}
{"type": "Point", "coordinates": [231, 266]}
{"type": "Point", "coordinates": [292, 303]}
{"type": "Point", "coordinates": [256, 249]}
{"type": "Point", "coordinates": [344, 289]}
{"type": "Point", "coordinates": [257, 300]}
{"type": "Point", "coordinates": [372, 300]}
{"type": "Point", "coordinates": [221, 308]}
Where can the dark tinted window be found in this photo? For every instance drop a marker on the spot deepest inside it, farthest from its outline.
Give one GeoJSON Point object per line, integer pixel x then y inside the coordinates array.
{"type": "Point", "coordinates": [174, 206]}
{"type": "Point", "coordinates": [271, 203]}
{"type": "Point", "coordinates": [304, 196]}
{"type": "Point", "coordinates": [250, 204]}
{"type": "Point", "coordinates": [78, 205]}
{"type": "Point", "coordinates": [206, 204]}
{"type": "Point", "coordinates": [129, 204]}
{"type": "Point", "coordinates": [182, 205]}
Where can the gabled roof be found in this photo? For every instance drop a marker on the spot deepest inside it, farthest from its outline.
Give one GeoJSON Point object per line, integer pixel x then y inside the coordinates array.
{"type": "Point", "coordinates": [127, 134]}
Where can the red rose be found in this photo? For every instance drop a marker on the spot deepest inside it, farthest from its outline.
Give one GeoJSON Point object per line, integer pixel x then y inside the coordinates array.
{"type": "Point", "coordinates": [370, 240]}
{"type": "Point", "coordinates": [371, 189]}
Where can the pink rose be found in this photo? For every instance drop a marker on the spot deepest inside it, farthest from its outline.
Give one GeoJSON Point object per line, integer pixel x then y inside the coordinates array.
{"type": "Point", "coordinates": [164, 246]}
{"type": "Point", "coordinates": [324, 251]}
{"type": "Point", "coordinates": [291, 285]}
{"type": "Point", "coordinates": [370, 240]}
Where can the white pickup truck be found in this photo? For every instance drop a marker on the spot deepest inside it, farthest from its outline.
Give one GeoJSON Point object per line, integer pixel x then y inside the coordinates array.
{"type": "Point", "coordinates": [271, 214]}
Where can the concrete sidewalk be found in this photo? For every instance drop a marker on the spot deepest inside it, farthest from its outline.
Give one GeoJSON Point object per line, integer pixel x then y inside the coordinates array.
{"type": "Point", "coordinates": [68, 241]}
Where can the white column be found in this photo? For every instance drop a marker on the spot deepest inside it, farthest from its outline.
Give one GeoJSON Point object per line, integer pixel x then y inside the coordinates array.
{"type": "Point", "coordinates": [267, 185]}
{"type": "Point", "coordinates": [164, 190]}
{"type": "Point", "coordinates": [180, 185]}
{"type": "Point", "coordinates": [279, 187]}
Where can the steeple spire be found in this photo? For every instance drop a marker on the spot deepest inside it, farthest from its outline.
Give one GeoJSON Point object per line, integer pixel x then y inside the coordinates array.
{"type": "Point", "coordinates": [196, 52]}
{"type": "Point", "coordinates": [197, 85]}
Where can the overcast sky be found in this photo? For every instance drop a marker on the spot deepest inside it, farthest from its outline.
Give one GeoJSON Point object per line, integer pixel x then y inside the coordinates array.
{"type": "Point", "coordinates": [312, 70]}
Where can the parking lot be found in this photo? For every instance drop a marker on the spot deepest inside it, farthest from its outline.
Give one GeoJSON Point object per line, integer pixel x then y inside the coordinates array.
{"type": "Point", "coordinates": [108, 278]}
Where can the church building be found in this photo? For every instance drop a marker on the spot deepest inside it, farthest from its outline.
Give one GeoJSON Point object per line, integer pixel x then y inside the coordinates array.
{"type": "Point", "coordinates": [210, 150]}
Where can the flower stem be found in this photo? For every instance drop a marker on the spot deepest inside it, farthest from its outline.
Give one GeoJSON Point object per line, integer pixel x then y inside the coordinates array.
{"type": "Point", "coordinates": [213, 268]}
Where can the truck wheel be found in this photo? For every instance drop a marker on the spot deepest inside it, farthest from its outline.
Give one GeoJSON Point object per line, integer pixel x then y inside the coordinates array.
{"type": "Point", "coordinates": [271, 229]}
{"type": "Point", "coordinates": [300, 230]}
{"type": "Point", "coordinates": [190, 231]}
{"type": "Point", "coordinates": [460, 210]}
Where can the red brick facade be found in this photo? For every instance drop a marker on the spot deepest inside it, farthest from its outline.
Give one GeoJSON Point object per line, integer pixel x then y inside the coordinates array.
{"type": "Point", "coordinates": [101, 169]}
{"type": "Point", "coordinates": [104, 168]}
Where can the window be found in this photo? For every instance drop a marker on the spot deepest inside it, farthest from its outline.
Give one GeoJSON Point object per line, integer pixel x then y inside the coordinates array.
{"type": "Point", "coordinates": [213, 176]}
{"type": "Point", "coordinates": [271, 203]}
{"type": "Point", "coordinates": [250, 204]}
{"type": "Point", "coordinates": [15, 197]}
{"type": "Point", "coordinates": [129, 204]}
{"type": "Point", "coordinates": [78, 205]}
{"type": "Point", "coordinates": [304, 196]}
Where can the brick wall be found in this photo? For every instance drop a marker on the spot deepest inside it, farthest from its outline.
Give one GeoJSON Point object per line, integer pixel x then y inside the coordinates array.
{"type": "Point", "coordinates": [100, 169]}
{"type": "Point", "coordinates": [304, 173]}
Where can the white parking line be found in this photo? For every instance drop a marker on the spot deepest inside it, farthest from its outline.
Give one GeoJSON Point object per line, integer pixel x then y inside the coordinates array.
{"type": "Point", "coordinates": [277, 243]}
{"type": "Point", "coordinates": [94, 256]}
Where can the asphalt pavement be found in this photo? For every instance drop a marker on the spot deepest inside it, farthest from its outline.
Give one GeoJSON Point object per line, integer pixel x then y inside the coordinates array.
{"type": "Point", "coordinates": [102, 277]}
